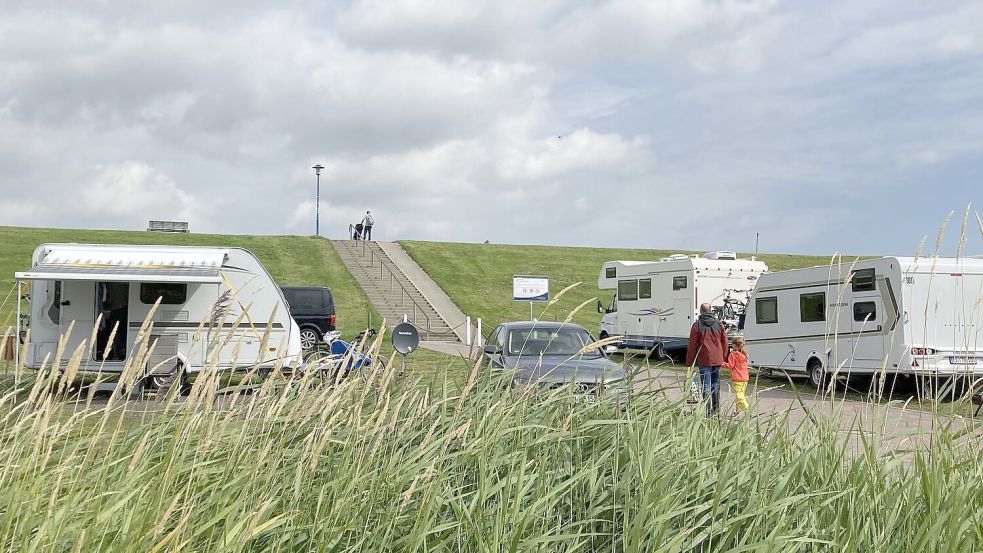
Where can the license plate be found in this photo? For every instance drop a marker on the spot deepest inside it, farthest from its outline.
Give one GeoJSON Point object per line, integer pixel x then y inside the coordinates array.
{"type": "Point", "coordinates": [962, 360]}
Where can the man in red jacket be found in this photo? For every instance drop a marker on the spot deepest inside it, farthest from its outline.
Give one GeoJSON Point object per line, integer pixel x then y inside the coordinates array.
{"type": "Point", "coordinates": [708, 348]}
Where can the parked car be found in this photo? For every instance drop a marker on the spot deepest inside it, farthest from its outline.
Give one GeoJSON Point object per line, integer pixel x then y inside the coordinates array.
{"type": "Point", "coordinates": [550, 355]}
{"type": "Point", "coordinates": [313, 309]}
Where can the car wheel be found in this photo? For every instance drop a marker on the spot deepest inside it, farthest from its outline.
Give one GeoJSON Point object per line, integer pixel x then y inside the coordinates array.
{"type": "Point", "coordinates": [308, 338]}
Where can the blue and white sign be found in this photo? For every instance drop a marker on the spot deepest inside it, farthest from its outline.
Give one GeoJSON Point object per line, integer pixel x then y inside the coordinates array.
{"type": "Point", "coordinates": [530, 288]}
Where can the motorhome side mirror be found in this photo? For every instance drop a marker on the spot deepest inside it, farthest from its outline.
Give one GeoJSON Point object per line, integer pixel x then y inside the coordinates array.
{"type": "Point", "coordinates": [600, 307]}
{"type": "Point", "coordinates": [492, 349]}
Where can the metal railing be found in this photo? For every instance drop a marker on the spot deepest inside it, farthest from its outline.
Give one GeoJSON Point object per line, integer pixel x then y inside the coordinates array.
{"type": "Point", "coordinates": [386, 273]}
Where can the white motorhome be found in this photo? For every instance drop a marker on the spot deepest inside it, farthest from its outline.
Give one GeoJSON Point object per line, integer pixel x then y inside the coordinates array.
{"type": "Point", "coordinates": [900, 314]}
{"type": "Point", "coordinates": [656, 302]}
{"type": "Point", "coordinates": [216, 306]}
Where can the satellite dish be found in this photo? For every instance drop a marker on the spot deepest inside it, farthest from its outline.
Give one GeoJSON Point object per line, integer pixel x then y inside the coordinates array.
{"type": "Point", "coordinates": [405, 338]}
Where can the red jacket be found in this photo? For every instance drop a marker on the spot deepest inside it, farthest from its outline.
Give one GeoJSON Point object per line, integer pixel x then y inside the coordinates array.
{"type": "Point", "coordinates": [737, 363]}
{"type": "Point", "coordinates": [707, 343]}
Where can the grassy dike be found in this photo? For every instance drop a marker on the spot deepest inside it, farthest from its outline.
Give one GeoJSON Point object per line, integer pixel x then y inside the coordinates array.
{"type": "Point", "coordinates": [478, 277]}
{"type": "Point", "coordinates": [290, 259]}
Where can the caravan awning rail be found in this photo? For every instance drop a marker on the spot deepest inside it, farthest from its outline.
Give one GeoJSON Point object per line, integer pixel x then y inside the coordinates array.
{"type": "Point", "coordinates": [117, 273]}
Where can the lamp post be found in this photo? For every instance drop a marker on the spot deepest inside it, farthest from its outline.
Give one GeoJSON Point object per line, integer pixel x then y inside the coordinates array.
{"type": "Point", "coordinates": [317, 200]}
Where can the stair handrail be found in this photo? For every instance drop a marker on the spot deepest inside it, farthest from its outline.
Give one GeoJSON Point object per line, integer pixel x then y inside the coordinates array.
{"type": "Point", "coordinates": [403, 294]}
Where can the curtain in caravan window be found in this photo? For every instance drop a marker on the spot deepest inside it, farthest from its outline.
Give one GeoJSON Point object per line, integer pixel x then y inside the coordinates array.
{"type": "Point", "coordinates": [766, 310]}
{"type": "Point", "coordinates": [627, 290]}
{"type": "Point", "coordinates": [54, 312]}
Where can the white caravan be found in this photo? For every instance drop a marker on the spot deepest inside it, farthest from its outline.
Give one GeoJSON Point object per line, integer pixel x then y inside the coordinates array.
{"type": "Point", "coordinates": [900, 314]}
{"type": "Point", "coordinates": [656, 302]}
{"type": "Point", "coordinates": [216, 305]}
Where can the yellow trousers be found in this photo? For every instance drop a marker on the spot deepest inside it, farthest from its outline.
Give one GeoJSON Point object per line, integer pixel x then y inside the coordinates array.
{"type": "Point", "coordinates": [740, 389]}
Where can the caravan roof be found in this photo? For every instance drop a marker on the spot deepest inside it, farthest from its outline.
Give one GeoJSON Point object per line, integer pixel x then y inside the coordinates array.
{"type": "Point", "coordinates": [938, 265]}
{"type": "Point", "coordinates": [126, 263]}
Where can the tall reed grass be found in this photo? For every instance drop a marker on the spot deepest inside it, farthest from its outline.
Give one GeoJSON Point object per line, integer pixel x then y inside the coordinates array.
{"type": "Point", "coordinates": [385, 464]}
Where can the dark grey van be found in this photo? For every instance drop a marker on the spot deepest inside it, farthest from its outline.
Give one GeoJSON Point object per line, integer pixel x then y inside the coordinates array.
{"type": "Point", "coordinates": [313, 309]}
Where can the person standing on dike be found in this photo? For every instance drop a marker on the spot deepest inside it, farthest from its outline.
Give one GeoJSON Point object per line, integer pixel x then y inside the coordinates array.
{"type": "Point", "coordinates": [367, 223]}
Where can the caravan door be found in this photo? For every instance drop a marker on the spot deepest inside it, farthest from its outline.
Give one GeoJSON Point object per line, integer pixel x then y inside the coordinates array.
{"type": "Point", "coordinates": [682, 316]}
{"type": "Point", "coordinates": [78, 305]}
{"type": "Point", "coordinates": [867, 313]}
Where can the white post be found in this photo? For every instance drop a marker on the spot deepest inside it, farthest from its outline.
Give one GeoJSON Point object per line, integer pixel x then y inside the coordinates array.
{"type": "Point", "coordinates": [467, 335]}
{"type": "Point", "coordinates": [480, 335]}
{"type": "Point", "coordinates": [17, 330]}
{"type": "Point", "coordinates": [406, 318]}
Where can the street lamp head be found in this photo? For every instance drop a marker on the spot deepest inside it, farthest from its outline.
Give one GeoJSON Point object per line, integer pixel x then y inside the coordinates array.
{"type": "Point", "coordinates": [317, 169]}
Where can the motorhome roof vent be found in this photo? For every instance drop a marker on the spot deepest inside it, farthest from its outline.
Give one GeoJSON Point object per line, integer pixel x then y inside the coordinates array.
{"type": "Point", "coordinates": [723, 254]}
{"type": "Point", "coordinates": [675, 257]}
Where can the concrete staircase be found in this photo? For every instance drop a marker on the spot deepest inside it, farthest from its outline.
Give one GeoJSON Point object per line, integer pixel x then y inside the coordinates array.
{"type": "Point", "coordinates": [390, 291]}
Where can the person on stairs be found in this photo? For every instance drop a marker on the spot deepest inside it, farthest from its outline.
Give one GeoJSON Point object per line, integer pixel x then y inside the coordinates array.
{"type": "Point", "coordinates": [367, 223]}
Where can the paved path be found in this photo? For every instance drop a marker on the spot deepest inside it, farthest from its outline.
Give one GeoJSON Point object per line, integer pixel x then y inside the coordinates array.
{"type": "Point", "coordinates": [457, 349]}
{"type": "Point", "coordinates": [896, 426]}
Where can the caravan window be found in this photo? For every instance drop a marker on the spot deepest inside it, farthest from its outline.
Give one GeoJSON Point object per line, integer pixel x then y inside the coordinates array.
{"type": "Point", "coordinates": [678, 283]}
{"type": "Point", "coordinates": [864, 311]}
{"type": "Point", "coordinates": [644, 288]}
{"type": "Point", "coordinates": [54, 312]}
{"type": "Point", "coordinates": [863, 280]}
{"type": "Point", "coordinates": [766, 310]}
{"type": "Point", "coordinates": [170, 293]}
{"type": "Point", "coordinates": [627, 290]}
{"type": "Point", "coordinates": [812, 307]}
{"type": "Point", "coordinates": [610, 272]}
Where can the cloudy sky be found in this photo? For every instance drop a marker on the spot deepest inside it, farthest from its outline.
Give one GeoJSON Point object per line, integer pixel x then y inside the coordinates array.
{"type": "Point", "coordinates": [825, 126]}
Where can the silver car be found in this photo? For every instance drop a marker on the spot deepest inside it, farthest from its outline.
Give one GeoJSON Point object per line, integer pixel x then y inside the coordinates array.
{"type": "Point", "coordinates": [551, 355]}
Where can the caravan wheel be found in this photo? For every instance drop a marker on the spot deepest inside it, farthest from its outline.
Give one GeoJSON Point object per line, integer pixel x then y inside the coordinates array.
{"type": "Point", "coordinates": [817, 374]}
{"type": "Point", "coordinates": [163, 382]}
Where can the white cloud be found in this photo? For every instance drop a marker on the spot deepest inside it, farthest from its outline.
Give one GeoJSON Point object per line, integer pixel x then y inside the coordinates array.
{"type": "Point", "coordinates": [132, 192]}
{"type": "Point", "coordinates": [580, 150]}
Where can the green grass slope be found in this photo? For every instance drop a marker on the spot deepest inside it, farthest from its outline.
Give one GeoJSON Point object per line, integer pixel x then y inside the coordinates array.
{"type": "Point", "coordinates": [478, 277]}
{"type": "Point", "coordinates": [290, 259]}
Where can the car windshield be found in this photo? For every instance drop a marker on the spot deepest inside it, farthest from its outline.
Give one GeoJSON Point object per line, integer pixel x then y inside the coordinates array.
{"type": "Point", "coordinates": [541, 341]}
